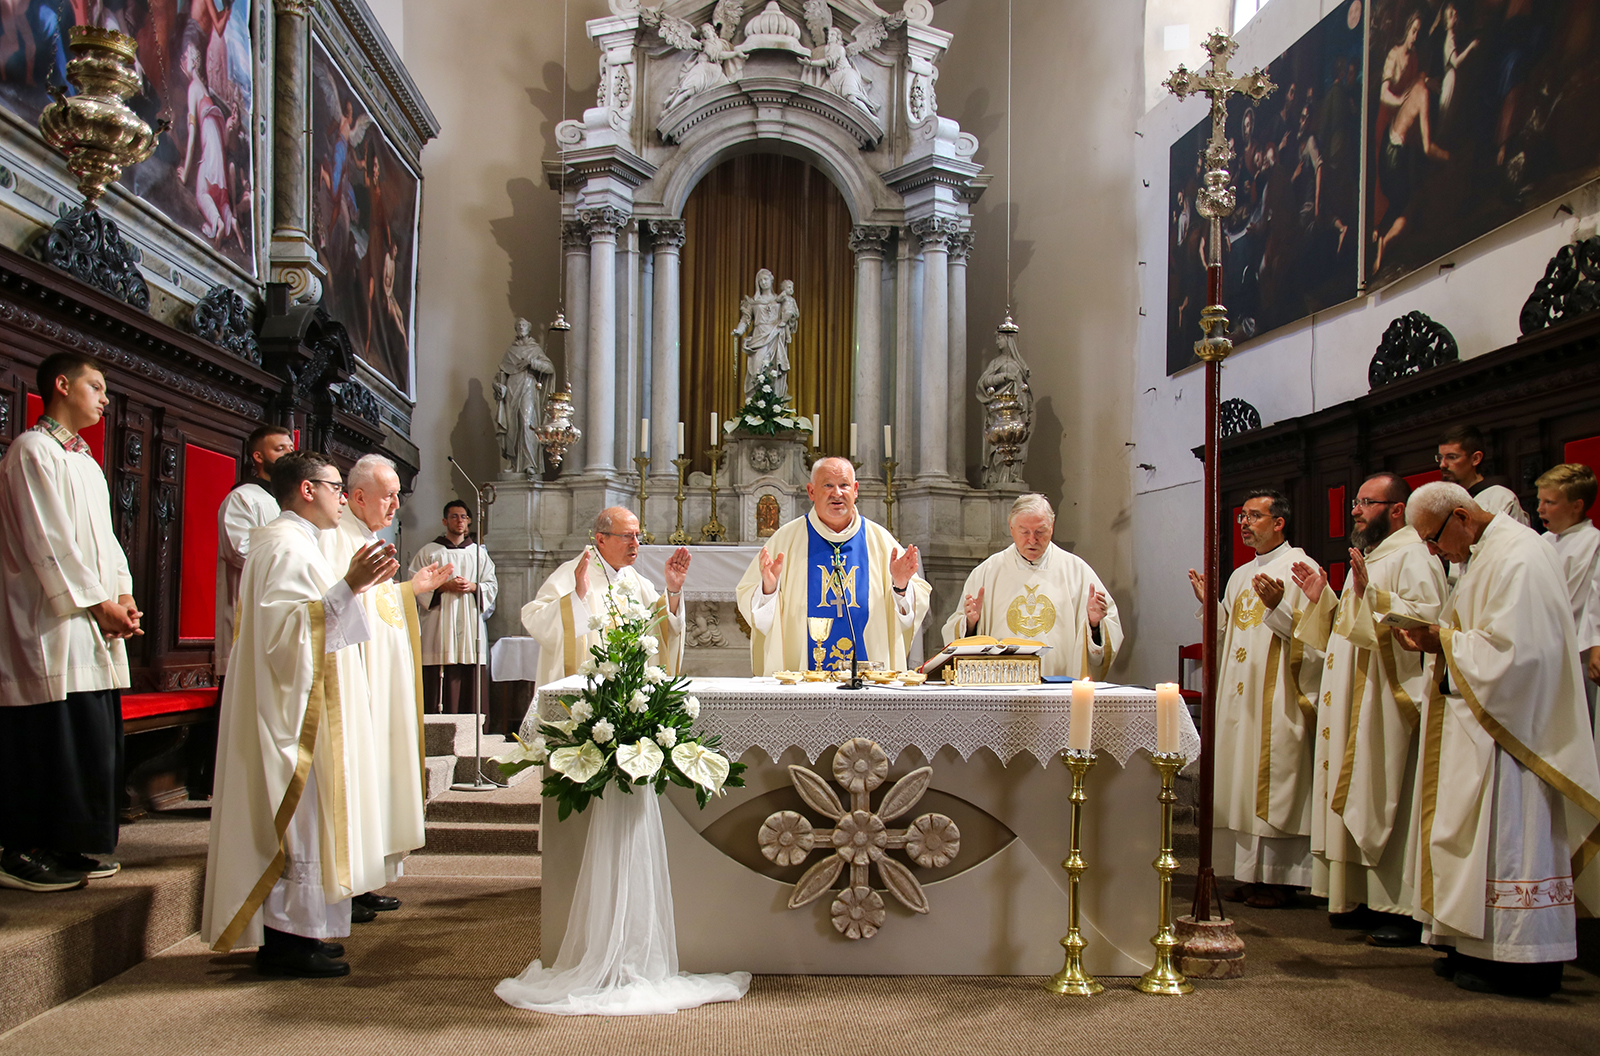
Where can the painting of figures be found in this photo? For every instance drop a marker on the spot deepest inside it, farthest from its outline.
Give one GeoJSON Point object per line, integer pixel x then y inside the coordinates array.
{"type": "Point", "coordinates": [364, 203]}
{"type": "Point", "coordinates": [196, 68]}
{"type": "Point", "coordinates": [1480, 110]}
{"type": "Point", "coordinates": [1289, 248]}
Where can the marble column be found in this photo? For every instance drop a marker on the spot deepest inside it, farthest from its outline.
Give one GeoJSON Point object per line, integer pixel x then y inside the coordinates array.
{"type": "Point", "coordinates": [869, 244]}
{"type": "Point", "coordinates": [960, 249]}
{"type": "Point", "coordinates": [603, 224]}
{"type": "Point", "coordinates": [933, 364]}
{"type": "Point", "coordinates": [575, 345]}
{"type": "Point", "coordinates": [293, 258]}
{"type": "Point", "coordinates": [666, 251]}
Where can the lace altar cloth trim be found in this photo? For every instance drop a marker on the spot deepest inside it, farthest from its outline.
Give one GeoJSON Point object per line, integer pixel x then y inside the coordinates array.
{"type": "Point", "coordinates": [814, 717]}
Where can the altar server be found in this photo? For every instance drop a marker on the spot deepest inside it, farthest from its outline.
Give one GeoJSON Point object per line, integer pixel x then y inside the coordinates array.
{"type": "Point", "coordinates": [1265, 712]}
{"type": "Point", "coordinates": [566, 614]}
{"type": "Point", "coordinates": [1365, 755]}
{"type": "Point", "coordinates": [295, 824]}
{"type": "Point", "coordinates": [389, 666]}
{"type": "Point", "coordinates": [455, 617]}
{"type": "Point", "coordinates": [831, 564]}
{"type": "Point", "coordinates": [1034, 589]}
{"type": "Point", "coordinates": [1506, 748]}
{"type": "Point", "coordinates": [68, 604]}
{"type": "Point", "coordinates": [1566, 494]}
{"type": "Point", "coordinates": [249, 506]}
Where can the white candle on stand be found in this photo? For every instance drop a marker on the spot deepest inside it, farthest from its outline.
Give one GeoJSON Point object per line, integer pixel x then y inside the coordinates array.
{"type": "Point", "coordinates": [888, 447]}
{"type": "Point", "coordinates": [855, 441]}
{"type": "Point", "coordinates": [714, 433]}
{"type": "Point", "coordinates": [681, 444]}
{"type": "Point", "coordinates": [1081, 727]}
{"type": "Point", "coordinates": [644, 436]}
{"type": "Point", "coordinates": [816, 430]}
{"type": "Point", "coordinates": [1168, 723]}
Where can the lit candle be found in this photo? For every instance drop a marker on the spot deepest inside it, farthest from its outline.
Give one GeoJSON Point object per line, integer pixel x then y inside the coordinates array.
{"type": "Point", "coordinates": [855, 441]}
{"type": "Point", "coordinates": [1168, 701]}
{"type": "Point", "coordinates": [816, 430]}
{"type": "Point", "coordinates": [644, 436]}
{"type": "Point", "coordinates": [1082, 722]}
{"type": "Point", "coordinates": [681, 444]}
{"type": "Point", "coordinates": [888, 447]}
{"type": "Point", "coordinates": [714, 433]}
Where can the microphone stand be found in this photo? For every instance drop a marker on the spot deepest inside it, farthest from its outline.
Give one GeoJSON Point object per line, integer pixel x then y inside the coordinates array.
{"type": "Point", "coordinates": [855, 654]}
{"type": "Point", "coordinates": [479, 783]}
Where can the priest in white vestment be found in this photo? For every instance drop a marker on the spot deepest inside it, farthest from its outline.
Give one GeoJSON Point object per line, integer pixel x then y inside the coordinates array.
{"type": "Point", "coordinates": [1365, 755]}
{"type": "Point", "coordinates": [834, 565]}
{"type": "Point", "coordinates": [248, 506]}
{"type": "Point", "coordinates": [455, 627]}
{"type": "Point", "coordinates": [1034, 589]}
{"type": "Point", "coordinates": [1506, 749]}
{"type": "Point", "coordinates": [389, 667]}
{"type": "Point", "coordinates": [568, 613]}
{"type": "Point", "coordinates": [295, 825]}
{"type": "Point", "coordinates": [1266, 715]}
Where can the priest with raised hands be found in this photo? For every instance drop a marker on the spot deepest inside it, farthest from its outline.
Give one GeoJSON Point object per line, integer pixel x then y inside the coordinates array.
{"type": "Point", "coordinates": [832, 564]}
{"type": "Point", "coordinates": [1365, 756]}
{"type": "Point", "coordinates": [569, 612]}
{"type": "Point", "coordinates": [295, 828]}
{"type": "Point", "coordinates": [389, 668]}
{"type": "Point", "coordinates": [1034, 589]}
{"type": "Point", "coordinates": [1508, 790]}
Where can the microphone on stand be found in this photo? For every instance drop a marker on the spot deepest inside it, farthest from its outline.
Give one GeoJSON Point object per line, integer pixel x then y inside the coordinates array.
{"type": "Point", "coordinates": [855, 653]}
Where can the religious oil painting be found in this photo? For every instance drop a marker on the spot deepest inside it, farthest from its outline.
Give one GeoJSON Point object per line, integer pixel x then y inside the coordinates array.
{"type": "Point", "coordinates": [196, 68]}
{"type": "Point", "coordinates": [1480, 111]}
{"type": "Point", "coordinates": [364, 205]}
{"type": "Point", "coordinates": [1290, 246]}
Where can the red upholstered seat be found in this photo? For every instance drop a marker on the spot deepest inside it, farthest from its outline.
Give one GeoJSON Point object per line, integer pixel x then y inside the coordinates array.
{"type": "Point", "coordinates": [144, 705]}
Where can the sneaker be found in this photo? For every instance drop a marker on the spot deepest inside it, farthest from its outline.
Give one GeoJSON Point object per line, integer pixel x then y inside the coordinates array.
{"type": "Point", "coordinates": [36, 871]}
{"type": "Point", "coordinates": [93, 868]}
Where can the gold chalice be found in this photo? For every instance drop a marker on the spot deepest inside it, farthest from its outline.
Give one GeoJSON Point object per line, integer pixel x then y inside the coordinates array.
{"type": "Point", "coordinates": [819, 627]}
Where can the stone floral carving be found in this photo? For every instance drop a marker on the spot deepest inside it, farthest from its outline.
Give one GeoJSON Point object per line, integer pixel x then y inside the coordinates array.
{"type": "Point", "coordinates": [860, 839]}
{"type": "Point", "coordinates": [704, 628]}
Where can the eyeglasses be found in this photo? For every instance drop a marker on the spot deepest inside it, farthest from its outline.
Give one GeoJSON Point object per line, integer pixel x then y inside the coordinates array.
{"type": "Point", "coordinates": [1359, 504]}
{"type": "Point", "coordinates": [1251, 516]}
{"type": "Point", "coordinates": [336, 485]}
{"type": "Point", "coordinates": [637, 537]}
{"type": "Point", "coordinates": [1433, 540]}
{"type": "Point", "coordinates": [1454, 456]}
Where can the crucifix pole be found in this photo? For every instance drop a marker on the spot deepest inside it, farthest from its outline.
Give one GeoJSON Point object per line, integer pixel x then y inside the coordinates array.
{"type": "Point", "coordinates": [1216, 200]}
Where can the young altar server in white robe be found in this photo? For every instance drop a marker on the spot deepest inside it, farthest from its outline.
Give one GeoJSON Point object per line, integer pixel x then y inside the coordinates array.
{"type": "Point", "coordinates": [1566, 493]}
{"type": "Point", "coordinates": [1034, 589]}
{"type": "Point", "coordinates": [1506, 749]}
{"type": "Point", "coordinates": [1265, 713]}
{"type": "Point", "coordinates": [295, 824]}
{"type": "Point", "coordinates": [832, 563]}
{"type": "Point", "coordinates": [568, 612]}
{"type": "Point", "coordinates": [389, 667]}
{"type": "Point", "coordinates": [455, 617]}
{"type": "Point", "coordinates": [1365, 756]}
{"type": "Point", "coordinates": [248, 506]}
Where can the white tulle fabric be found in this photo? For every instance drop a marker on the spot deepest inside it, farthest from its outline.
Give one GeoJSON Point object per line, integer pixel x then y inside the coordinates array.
{"type": "Point", "coordinates": [620, 953]}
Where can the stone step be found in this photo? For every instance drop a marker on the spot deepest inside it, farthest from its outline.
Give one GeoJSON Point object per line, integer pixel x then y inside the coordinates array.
{"type": "Point", "coordinates": [481, 837]}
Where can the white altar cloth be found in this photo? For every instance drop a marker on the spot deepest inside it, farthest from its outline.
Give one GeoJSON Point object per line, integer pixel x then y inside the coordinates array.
{"type": "Point", "coordinates": [1000, 914]}
{"type": "Point", "coordinates": [714, 571]}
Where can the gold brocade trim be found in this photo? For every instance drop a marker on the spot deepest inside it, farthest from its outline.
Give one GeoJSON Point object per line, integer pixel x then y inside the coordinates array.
{"type": "Point", "coordinates": [1581, 857]}
{"type": "Point", "coordinates": [663, 624]}
{"type": "Point", "coordinates": [1341, 789]}
{"type": "Point", "coordinates": [1264, 760]}
{"type": "Point", "coordinates": [1432, 743]}
{"type": "Point", "coordinates": [1297, 652]}
{"type": "Point", "coordinates": [291, 795]}
{"type": "Point", "coordinates": [569, 638]}
{"type": "Point", "coordinates": [333, 709]}
{"type": "Point", "coordinates": [1386, 654]}
{"type": "Point", "coordinates": [408, 594]}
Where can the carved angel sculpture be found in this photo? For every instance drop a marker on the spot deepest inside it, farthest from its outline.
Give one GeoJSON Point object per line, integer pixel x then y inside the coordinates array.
{"type": "Point", "coordinates": [708, 65]}
{"type": "Point", "coordinates": [841, 76]}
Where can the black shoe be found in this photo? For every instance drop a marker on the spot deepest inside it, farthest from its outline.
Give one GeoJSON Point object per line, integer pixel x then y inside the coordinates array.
{"type": "Point", "coordinates": [93, 868]}
{"type": "Point", "coordinates": [360, 914]}
{"type": "Point", "coordinates": [1397, 935]}
{"type": "Point", "coordinates": [37, 871]}
{"type": "Point", "coordinates": [1359, 919]}
{"type": "Point", "coordinates": [376, 902]}
{"type": "Point", "coordinates": [299, 963]}
{"type": "Point", "coordinates": [1446, 967]}
{"type": "Point", "coordinates": [331, 949]}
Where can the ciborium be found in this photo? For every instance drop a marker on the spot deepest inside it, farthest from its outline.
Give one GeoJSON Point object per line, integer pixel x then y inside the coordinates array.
{"type": "Point", "coordinates": [557, 433]}
{"type": "Point", "coordinates": [95, 129]}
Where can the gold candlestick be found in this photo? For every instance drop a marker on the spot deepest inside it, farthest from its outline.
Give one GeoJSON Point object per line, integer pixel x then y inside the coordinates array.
{"type": "Point", "coordinates": [643, 462]}
{"type": "Point", "coordinates": [712, 532]}
{"type": "Point", "coordinates": [679, 537]}
{"type": "Point", "coordinates": [1072, 979]}
{"type": "Point", "coordinates": [1163, 976]}
{"type": "Point", "coordinates": [888, 493]}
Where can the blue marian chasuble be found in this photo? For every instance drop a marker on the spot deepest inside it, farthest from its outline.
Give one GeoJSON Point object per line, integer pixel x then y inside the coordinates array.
{"type": "Point", "coordinates": [837, 579]}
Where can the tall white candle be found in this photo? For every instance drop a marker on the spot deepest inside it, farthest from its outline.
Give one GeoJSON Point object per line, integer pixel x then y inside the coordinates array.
{"type": "Point", "coordinates": [714, 433]}
{"type": "Point", "coordinates": [855, 440]}
{"type": "Point", "coordinates": [1081, 728]}
{"type": "Point", "coordinates": [681, 444]}
{"type": "Point", "coordinates": [1168, 701]}
{"type": "Point", "coordinates": [888, 446]}
{"type": "Point", "coordinates": [644, 436]}
{"type": "Point", "coordinates": [816, 430]}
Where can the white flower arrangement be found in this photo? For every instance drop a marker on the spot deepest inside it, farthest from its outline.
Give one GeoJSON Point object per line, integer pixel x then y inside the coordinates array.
{"type": "Point", "coordinates": [766, 413]}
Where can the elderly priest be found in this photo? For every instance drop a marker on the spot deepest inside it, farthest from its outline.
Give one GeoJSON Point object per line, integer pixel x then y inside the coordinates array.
{"type": "Point", "coordinates": [1506, 746]}
{"type": "Point", "coordinates": [1034, 589]}
{"type": "Point", "coordinates": [832, 563]}
{"type": "Point", "coordinates": [566, 615]}
{"type": "Point", "coordinates": [292, 830]}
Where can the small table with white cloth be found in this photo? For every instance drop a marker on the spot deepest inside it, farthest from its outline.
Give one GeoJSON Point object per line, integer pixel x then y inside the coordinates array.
{"type": "Point", "coordinates": [997, 909]}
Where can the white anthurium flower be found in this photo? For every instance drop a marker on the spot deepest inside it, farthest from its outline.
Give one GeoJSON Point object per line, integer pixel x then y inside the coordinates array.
{"type": "Point", "coordinates": [578, 764]}
{"type": "Point", "coordinates": [751, 419]}
{"type": "Point", "coordinates": [602, 731]}
{"type": "Point", "coordinates": [666, 736]}
{"type": "Point", "coordinates": [639, 760]}
{"type": "Point", "coordinates": [787, 423]}
{"type": "Point", "coordinates": [608, 669]}
{"type": "Point", "coordinates": [655, 674]}
{"type": "Point", "coordinates": [582, 711]}
{"type": "Point", "coordinates": [523, 752]}
{"type": "Point", "coordinates": [691, 706]}
{"type": "Point", "coordinates": [650, 642]}
{"type": "Point", "coordinates": [699, 764]}
{"type": "Point", "coordinates": [565, 726]}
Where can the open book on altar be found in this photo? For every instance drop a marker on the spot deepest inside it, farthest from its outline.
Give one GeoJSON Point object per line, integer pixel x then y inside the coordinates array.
{"type": "Point", "coordinates": [982, 645]}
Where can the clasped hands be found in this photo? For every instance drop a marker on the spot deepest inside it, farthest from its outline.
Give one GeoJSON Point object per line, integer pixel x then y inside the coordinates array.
{"type": "Point", "coordinates": [117, 619]}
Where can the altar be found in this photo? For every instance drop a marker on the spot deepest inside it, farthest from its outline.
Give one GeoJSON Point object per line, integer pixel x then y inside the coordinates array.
{"type": "Point", "coordinates": [998, 908]}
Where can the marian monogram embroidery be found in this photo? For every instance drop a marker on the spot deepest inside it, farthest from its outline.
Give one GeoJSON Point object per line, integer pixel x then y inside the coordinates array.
{"type": "Point", "coordinates": [837, 584]}
{"type": "Point", "coordinates": [387, 598]}
{"type": "Point", "coordinates": [1031, 614]}
{"type": "Point", "coordinates": [1248, 611]}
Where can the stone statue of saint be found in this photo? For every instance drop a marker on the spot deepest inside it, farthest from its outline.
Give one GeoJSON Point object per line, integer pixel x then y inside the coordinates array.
{"type": "Point", "coordinates": [767, 321]}
{"type": "Point", "coordinates": [1006, 373]}
{"type": "Point", "coordinates": [520, 387]}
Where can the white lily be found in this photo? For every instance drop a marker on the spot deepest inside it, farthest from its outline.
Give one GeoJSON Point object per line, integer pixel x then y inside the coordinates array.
{"type": "Point", "coordinates": [639, 760]}
{"type": "Point", "coordinates": [578, 764]}
{"type": "Point", "coordinates": [699, 764]}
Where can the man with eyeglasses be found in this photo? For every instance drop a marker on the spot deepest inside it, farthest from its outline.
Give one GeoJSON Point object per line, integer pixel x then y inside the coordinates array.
{"type": "Point", "coordinates": [290, 842]}
{"type": "Point", "coordinates": [455, 618]}
{"type": "Point", "coordinates": [1365, 755]}
{"type": "Point", "coordinates": [1267, 686]}
{"type": "Point", "coordinates": [1034, 589]}
{"type": "Point", "coordinates": [1508, 786]}
{"type": "Point", "coordinates": [569, 613]}
{"type": "Point", "coordinates": [1461, 454]}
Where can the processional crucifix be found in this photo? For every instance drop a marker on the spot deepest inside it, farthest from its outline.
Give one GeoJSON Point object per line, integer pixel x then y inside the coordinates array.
{"type": "Point", "coordinates": [1216, 201]}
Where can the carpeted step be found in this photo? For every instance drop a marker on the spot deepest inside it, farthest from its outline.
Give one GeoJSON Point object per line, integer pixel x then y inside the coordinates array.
{"type": "Point", "coordinates": [517, 805]}
{"type": "Point", "coordinates": [481, 837]}
{"type": "Point", "coordinates": [441, 771]}
{"type": "Point", "coordinates": [475, 865]}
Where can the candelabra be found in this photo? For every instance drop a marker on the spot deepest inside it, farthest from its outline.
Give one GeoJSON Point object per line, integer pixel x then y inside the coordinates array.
{"type": "Point", "coordinates": [712, 532]}
{"type": "Point", "coordinates": [888, 493]}
{"type": "Point", "coordinates": [679, 537]}
{"type": "Point", "coordinates": [1072, 979]}
{"type": "Point", "coordinates": [1163, 976]}
{"type": "Point", "coordinates": [643, 462]}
